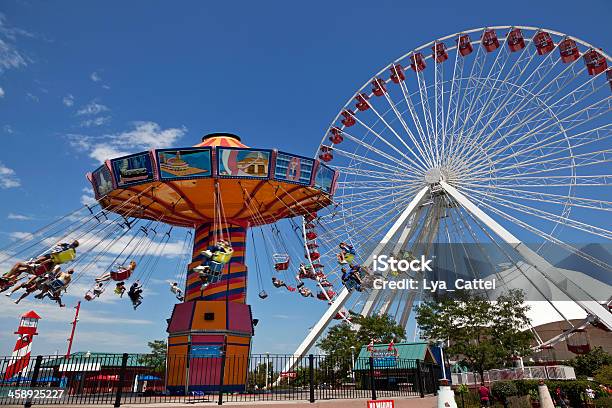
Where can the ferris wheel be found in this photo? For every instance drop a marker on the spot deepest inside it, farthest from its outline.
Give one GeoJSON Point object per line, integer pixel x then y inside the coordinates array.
{"type": "Point", "coordinates": [495, 138]}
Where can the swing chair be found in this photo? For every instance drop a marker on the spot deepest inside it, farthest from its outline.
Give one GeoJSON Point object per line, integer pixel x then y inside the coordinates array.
{"type": "Point", "coordinates": [281, 261]}
{"type": "Point", "coordinates": [263, 294]}
{"type": "Point", "coordinates": [63, 256]}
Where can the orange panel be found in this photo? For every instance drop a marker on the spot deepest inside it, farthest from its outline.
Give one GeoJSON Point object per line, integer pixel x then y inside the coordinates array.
{"type": "Point", "coordinates": [216, 307]}
{"type": "Point", "coordinates": [177, 340]}
{"type": "Point", "coordinates": [177, 365]}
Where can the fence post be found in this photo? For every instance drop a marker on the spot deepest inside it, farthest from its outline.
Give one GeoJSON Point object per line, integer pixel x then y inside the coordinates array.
{"type": "Point", "coordinates": [372, 380]}
{"type": "Point", "coordinates": [222, 374]}
{"type": "Point", "coordinates": [419, 379]}
{"type": "Point", "coordinates": [124, 361]}
{"type": "Point", "coordinates": [28, 402]}
{"type": "Point", "coordinates": [311, 377]}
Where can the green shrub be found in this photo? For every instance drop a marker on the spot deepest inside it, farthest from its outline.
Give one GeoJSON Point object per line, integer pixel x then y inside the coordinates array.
{"type": "Point", "coordinates": [573, 389]}
{"type": "Point", "coordinates": [604, 375]}
{"type": "Point", "coordinates": [504, 389]}
{"type": "Point", "coordinates": [603, 402]}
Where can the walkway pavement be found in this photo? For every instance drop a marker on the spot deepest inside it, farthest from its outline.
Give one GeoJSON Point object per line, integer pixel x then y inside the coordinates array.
{"type": "Point", "coordinates": [400, 402]}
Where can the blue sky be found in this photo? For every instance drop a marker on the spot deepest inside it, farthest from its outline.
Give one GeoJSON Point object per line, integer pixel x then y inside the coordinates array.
{"type": "Point", "coordinates": [80, 81]}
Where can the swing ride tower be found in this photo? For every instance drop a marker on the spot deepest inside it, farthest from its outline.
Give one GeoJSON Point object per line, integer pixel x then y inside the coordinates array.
{"type": "Point", "coordinates": [219, 188]}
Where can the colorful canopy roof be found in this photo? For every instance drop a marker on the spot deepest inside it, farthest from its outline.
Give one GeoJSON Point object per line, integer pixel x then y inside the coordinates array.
{"type": "Point", "coordinates": [192, 185]}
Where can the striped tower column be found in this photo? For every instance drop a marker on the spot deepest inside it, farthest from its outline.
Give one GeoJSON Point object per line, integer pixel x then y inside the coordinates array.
{"type": "Point", "coordinates": [20, 358]}
{"type": "Point", "coordinates": [212, 321]}
{"type": "Point", "coordinates": [233, 281]}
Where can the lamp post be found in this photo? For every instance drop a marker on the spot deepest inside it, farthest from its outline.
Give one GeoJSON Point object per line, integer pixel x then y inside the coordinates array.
{"type": "Point", "coordinates": [353, 363]}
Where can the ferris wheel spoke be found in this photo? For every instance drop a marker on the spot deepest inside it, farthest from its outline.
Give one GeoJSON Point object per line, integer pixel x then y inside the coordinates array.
{"type": "Point", "coordinates": [379, 152]}
{"type": "Point", "coordinates": [414, 166]}
{"type": "Point", "coordinates": [369, 194]}
{"type": "Point", "coordinates": [492, 207]}
{"type": "Point", "coordinates": [476, 70]}
{"type": "Point", "coordinates": [367, 204]}
{"type": "Point", "coordinates": [373, 173]}
{"type": "Point", "coordinates": [423, 158]}
{"type": "Point", "coordinates": [374, 163]}
{"type": "Point", "coordinates": [396, 207]}
{"type": "Point", "coordinates": [420, 165]}
{"type": "Point", "coordinates": [550, 181]}
{"type": "Point", "coordinates": [520, 67]}
{"type": "Point", "coordinates": [440, 117]}
{"type": "Point", "coordinates": [482, 88]}
{"type": "Point", "coordinates": [416, 120]}
{"type": "Point", "coordinates": [548, 198]}
{"type": "Point", "coordinates": [560, 163]}
{"type": "Point", "coordinates": [556, 85]}
{"type": "Point", "coordinates": [453, 100]}
{"type": "Point", "coordinates": [545, 215]}
{"type": "Point", "coordinates": [429, 125]}
{"type": "Point", "coordinates": [485, 90]}
{"type": "Point", "coordinates": [575, 119]}
{"type": "Point", "coordinates": [537, 76]}
{"type": "Point", "coordinates": [596, 135]}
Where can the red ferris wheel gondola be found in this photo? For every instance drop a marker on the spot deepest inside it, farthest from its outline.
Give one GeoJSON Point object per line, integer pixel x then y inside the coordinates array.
{"type": "Point", "coordinates": [378, 87]}
{"type": "Point", "coordinates": [543, 43]}
{"type": "Point", "coordinates": [439, 52]}
{"type": "Point", "coordinates": [417, 62]}
{"type": "Point", "coordinates": [464, 44]}
{"type": "Point", "coordinates": [397, 73]}
{"type": "Point", "coordinates": [595, 62]}
{"type": "Point", "coordinates": [349, 118]}
{"type": "Point", "coordinates": [489, 40]}
{"type": "Point", "coordinates": [327, 153]}
{"type": "Point", "coordinates": [335, 135]}
{"type": "Point", "coordinates": [515, 40]}
{"type": "Point", "coordinates": [362, 102]}
{"type": "Point", "coordinates": [569, 50]}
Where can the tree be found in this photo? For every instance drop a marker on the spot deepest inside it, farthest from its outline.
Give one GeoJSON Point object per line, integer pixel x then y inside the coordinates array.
{"type": "Point", "coordinates": [484, 334]}
{"type": "Point", "coordinates": [339, 339]}
{"type": "Point", "coordinates": [587, 364]}
{"type": "Point", "coordinates": [603, 375]}
{"type": "Point", "coordinates": [156, 359]}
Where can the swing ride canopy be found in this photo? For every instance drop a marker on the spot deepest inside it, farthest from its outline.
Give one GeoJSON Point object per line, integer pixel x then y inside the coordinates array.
{"type": "Point", "coordinates": [219, 178]}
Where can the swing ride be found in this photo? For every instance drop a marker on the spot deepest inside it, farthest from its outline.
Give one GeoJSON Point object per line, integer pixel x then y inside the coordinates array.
{"type": "Point", "coordinates": [463, 150]}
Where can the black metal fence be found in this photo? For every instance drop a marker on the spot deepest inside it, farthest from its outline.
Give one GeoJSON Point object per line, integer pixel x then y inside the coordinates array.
{"type": "Point", "coordinates": [115, 379]}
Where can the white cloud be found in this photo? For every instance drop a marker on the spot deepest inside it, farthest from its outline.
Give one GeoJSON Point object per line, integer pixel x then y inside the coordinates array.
{"type": "Point", "coordinates": [92, 108]}
{"type": "Point", "coordinates": [95, 77]}
{"type": "Point", "coordinates": [99, 121]}
{"type": "Point", "coordinates": [18, 217]}
{"type": "Point", "coordinates": [68, 100]}
{"type": "Point", "coordinates": [1, 92]}
{"type": "Point", "coordinates": [104, 152]}
{"type": "Point", "coordinates": [88, 197]}
{"type": "Point", "coordinates": [10, 56]}
{"type": "Point", "coordinates": [143, 136]}
{"type": "Point", "coordinates": [8, 177]}
{"type": "Point", "coordinates": [32, 97]}
{"type": "Point", "coordinates": [8, 129]}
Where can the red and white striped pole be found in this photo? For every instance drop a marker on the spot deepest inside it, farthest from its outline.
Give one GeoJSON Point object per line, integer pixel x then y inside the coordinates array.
{"type": "Point", "coordinates": [20, 358]}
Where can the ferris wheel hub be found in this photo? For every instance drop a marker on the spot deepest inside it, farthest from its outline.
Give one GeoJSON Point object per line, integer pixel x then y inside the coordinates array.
{"type": "Point", "coordinates": [434, 175]}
